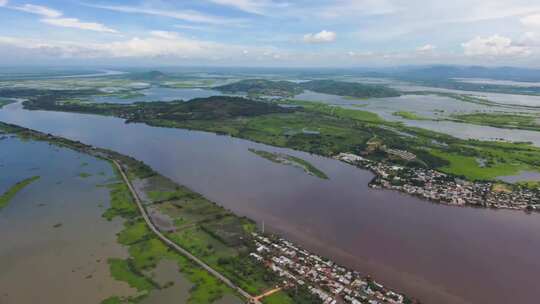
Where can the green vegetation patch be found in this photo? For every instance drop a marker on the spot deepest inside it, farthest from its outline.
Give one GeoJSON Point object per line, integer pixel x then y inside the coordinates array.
{"type": "Point", "coordinates": [351, 89]}
{"type": "Point", "coordinates": [501, 120]}
{"type": "Point", "coordinates": [263, 87]}
{"type": "Point", "coordinates": [123, 270]}
{"type": "Point", "coordinates": [146, 251]}
{"type": "Point", "coordinates": [84, 175]}
{"type": "Point", "coordinates": [469, 167]}
{"type": "Point", "coordinates": [282, 158]}
{"type": "Point", "coordinates": [288, 88]}
{"type": "Point", "coordinates": [7, 196]}
{"type": "Point", "coordinates": [410, 115]}
{"type": "Point", "coordinates": [121, 202]}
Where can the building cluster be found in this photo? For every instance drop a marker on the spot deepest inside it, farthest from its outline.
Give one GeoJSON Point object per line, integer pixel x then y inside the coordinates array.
{"type": "Point", "coordinates": [439, 187]}
{"type": "Point", "coordinates": [328, 281]}
{"type": "Point", "coordinates": [408, 156]}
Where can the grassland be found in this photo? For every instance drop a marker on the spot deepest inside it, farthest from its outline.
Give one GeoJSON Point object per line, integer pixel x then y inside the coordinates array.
{"type": "Point", "coordinates": [410, 115]}
{"type": "Point", "coordinates": [215, 235]}
{"type": "Point", "coordinates": [146, 251]}
{"type": "Point", "coordinates": [502, 120]}
{"type": "Point", "coordinates": [286, 159]}
{"type": "Point", "coordinates": [7, 196]}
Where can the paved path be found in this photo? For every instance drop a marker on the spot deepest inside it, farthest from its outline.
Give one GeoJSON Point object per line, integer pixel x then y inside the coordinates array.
{"type": "Point", "coordinates": [266, 294]}
{"type": "Point", "coordinates": [175, 246]}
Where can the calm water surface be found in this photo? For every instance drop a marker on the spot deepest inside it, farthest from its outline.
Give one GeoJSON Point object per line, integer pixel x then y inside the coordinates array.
{"type": "Point", "coordinates": [440, 254]}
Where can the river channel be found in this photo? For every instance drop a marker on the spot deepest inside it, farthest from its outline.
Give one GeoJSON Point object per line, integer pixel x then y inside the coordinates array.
{"type": "Point", "coordinates": [437, 253]}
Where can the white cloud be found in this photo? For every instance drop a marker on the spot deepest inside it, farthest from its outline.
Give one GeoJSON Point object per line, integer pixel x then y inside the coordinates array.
{"type": "Point", "coordinates": [426, 48]}
{"type": "Point", "coordinates": [323, 36]}
{"type": "Point", "coordinates": [3, 2]}
{"type": "Point", "coordinates": [76, 23]}
{"type": "Point", "coordinates": [165, 35]}
{"type": "Point", "coordinates": [186, 15]}
{"type": "Point", "coordinates": [531, 20]}
{"type": "Point", "coordinates": [530, 39]}
{"type": "Point", "coordinates": [158, 44]}
{"type": "Point", "coordinates": [495, 45]}
{"type": "Point", "coordinates": [39, 10]}
{"type": "Point", "coordinates": [54, 17]}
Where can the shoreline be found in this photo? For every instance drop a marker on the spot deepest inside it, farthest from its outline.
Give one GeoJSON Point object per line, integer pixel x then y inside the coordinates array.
{"type": "Point", "coordinates": [427, 185]}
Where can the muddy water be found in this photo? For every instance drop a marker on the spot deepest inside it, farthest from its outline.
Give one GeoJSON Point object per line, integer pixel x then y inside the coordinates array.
{"type": "Point", "coordinates": [437, 253]}
{"type": "Point", "coordinates": [54, 242]}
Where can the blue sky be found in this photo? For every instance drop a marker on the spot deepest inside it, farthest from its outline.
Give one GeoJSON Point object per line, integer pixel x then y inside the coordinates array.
{"type": "Point", "coordinates": [271, 32]}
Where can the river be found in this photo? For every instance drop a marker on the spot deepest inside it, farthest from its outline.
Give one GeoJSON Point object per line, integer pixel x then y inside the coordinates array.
{"type": "Point", "coordinates": [437, 253]}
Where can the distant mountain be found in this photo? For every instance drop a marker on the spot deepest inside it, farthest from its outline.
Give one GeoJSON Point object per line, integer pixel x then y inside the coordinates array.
{"type": "Point", "coordinates": [288, 88]}
{"type": "Point", "coordinates": [352, 89]}
{"type": "Point", "coordinates": [263, 87]}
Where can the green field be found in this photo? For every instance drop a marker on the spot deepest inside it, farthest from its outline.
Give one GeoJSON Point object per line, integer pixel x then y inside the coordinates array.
{"type": "Point", "coordinates": [410, 115]}
{"type": "Point", "coordinates": [502, 120]}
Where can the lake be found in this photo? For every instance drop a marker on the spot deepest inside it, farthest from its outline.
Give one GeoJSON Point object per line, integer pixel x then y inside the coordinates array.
{"type": "Point", "coordinates": [440, 254]}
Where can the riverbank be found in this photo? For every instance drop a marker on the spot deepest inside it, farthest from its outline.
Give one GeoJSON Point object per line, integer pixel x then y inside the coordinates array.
{"type": "Point", "coordinates": [441, 188]}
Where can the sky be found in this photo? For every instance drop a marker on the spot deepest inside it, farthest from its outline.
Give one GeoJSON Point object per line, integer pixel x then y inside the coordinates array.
{"type": "Point", "coordinates": [274, 33]}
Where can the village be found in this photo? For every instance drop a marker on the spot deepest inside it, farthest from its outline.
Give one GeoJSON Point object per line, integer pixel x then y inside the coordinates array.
{"type": "Point", "coordinates": [446, 189]}
{"type": "Point", "coordinates": [330, 282]}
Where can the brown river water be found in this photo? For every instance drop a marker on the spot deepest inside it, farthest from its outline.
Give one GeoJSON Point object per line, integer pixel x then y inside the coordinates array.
{"type": "Point", "coordinates": [436, 253]}
{"type": "Point", "coordinates": [54, 243]}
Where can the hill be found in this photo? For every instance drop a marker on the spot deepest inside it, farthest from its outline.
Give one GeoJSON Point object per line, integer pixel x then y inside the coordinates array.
{"type": "Point", "coordinates": [349, 89]}
{"type": "Point", "coordinates": [263, 87]}
{"type": "Point", "coordinates": [288, 88]}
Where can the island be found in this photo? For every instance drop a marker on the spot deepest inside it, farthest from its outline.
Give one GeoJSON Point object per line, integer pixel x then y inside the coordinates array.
{"type": "Point", "coordinates": [282, 158]}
